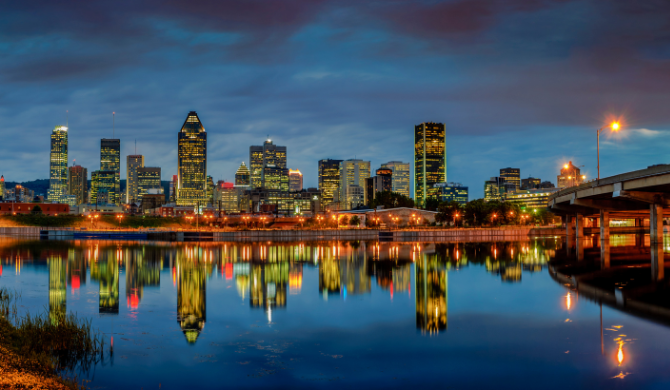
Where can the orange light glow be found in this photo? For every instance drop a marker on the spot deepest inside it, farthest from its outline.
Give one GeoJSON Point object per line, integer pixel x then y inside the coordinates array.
{"type": "Point", "coordinates": [615, 126]}
{"type": "Point", "coordinates": [619, 355]}
{"type": "Point", "coordinates": [568, 301]}
{"type": "Point", "coordinates": [565, 166]}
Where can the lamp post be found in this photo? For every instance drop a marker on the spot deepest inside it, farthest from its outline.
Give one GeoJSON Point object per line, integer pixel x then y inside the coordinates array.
{"type": "Point", "coordinates": [455, 219]}
{"type": "Point", "coordinates": [119, 217]}
{"type": "Point", "coordinates": [615, 127]}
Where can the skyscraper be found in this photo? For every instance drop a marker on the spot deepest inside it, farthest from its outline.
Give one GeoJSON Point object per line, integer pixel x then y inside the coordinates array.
{"type": "Point", "coordinates": [58, 165]}
{"type": "Point", "coordinates": [242, 176]}
{"type": "Point", "coordinates": [103, 187]}
{"type": "Point", "coordinates": [110, 161]}
{"type": "Point", "coordinates": [148, 181]}
{"type": "Point", "coordinates": [511, 176]}
{"type": "Point", "coordinates": [494, 189]}
{"type": "Point", "coordinates": [400, 177]}
{"type": "Point", "coordinates": [2, 187]}
{"type": "Point", "coordinates": [78, 183]}
{"type": "Point", "coordinates": [352, 183]}
{"type": "Point", "coordinates": [192, 162]}
{"type": "Point", "coordinates": [268, 156]}
{"type": "Point", "coordinates": [329, 179]}
{"type": "Point", "coordinates": [294, 180]}
{"type": "Point", "coordinates": [430, 160]}
{"type": "Point", "coordinates": [132, 163]}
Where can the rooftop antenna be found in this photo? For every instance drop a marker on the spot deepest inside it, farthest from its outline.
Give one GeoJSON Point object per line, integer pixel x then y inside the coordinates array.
{"type": "Point", "coordinates": [113, 117]}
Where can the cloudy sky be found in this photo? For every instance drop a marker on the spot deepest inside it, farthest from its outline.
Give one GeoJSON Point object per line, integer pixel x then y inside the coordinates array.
{"type": "Point", "coordinates": [521, 83]}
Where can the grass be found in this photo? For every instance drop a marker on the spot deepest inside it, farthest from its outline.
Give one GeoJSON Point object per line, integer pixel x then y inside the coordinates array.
{"type": "Point", "coordinates": [45, 220]}
{"type": "Point", "coordinates": [48, 344]}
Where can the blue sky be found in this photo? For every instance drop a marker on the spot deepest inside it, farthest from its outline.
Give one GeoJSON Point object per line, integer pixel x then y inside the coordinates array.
{"type": "Point", "coordinates": [521, 83]}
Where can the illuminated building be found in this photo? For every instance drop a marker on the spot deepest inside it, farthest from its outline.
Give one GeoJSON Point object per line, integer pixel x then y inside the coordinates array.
{"type": "Point", "coordinates": [2, 187]}
{"type": "Point", "coordinates": [493, 190]}
{"type": "Point", "coordinates": [191, 298]}
{"type": "Point", "coordinates": [57, 288]}
{"type": "Point", "coordinates": [132, 191]}
{"type": "Point", "coordinates": [210, 189]}
{"type": "Point", "coordinates": [511, 176]}
{"type": "Point", "coordinates": [383, 181]}
{"type": "Point", "coordinates": [192, 163]}
{"type": "Point", "coordinates": [430, 160]}
{"type": "Point", "coordinates": [78, 183]}
{"type": "Point", "coordinates": [110, 161]}
{"type": "Point", "coordinates": [58, 165]}
{"type": "Point", "coordinates": [530, 184]}
{"type": "Point", "coordinates": [530, 200]}
{"type": "Point", "coordinates": [227, 197]}
{"type": "Point", "coordinates": [148, 181]}
{"type": "Point", "coordinates": [452, 192]}
{"type": "Point", "coordinates": [400, 177]}
{"type": "Point", "coordinates": [286, 203]}
{"type": "Point", "coordinates": [294, 180]}
{"type": "Point", "coordinates": [570, 176]}
{"type": "Point", "coordinates": [173, 187]}
{"type": "Point", "coordinates": [431, 294]}
{"type": "Point", "coordinates": [19, 194]}
{"type": "Point", "coordinates": [275, 178]}
{"type": "Point", "coordinates": [352, 183]}
{"type": "Point", "coordinates": [103, 185]}
{"type": "Point", "coordinates": [329, 179]}
{"type": "Point", "coordinates": [243, 176]}
{"type": "Point", "coordinates": [268, 165]}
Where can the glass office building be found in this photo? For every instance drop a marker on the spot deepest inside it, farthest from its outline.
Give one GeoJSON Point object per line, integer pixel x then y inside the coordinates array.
{"type": "Point", "coordinates": [192, 163]}
{"type": "Point", "coordinates": [58, 165]}
{"type": "Point", "coordinates": [430, 160]}
{"type": "Point", "coordinates": [329, 179]}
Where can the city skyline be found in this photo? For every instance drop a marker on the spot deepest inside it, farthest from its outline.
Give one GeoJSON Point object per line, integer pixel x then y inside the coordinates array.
{"type": "Point", "coordinates": [532, 98]}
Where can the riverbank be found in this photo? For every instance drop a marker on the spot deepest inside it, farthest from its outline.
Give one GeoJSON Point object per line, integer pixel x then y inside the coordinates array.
{"type": "Point", "coordinates": [21, 372]}
{"type": "Point", "coordinates": [420, 235]}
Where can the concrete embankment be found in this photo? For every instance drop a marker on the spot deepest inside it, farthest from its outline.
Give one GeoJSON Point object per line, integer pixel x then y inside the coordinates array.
{"type": "Point", "coordinates": [428, 235]}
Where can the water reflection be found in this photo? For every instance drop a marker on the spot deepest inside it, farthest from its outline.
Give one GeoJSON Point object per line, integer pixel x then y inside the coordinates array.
{"type": "Point", "coordinates": [267, 273]}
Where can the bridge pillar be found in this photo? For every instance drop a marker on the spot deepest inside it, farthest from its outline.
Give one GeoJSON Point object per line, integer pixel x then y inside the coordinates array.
{"type": "Point", "coordinates": [657, 261]}
{"type": "Point", "coordinates": [656, 223]}
{"type": "Point", "coordinates": [581, 243]}
{"type": "Point", "coordinates": [569, 229]}
{"type": "Point", "coordinates": [579, 226]}
{"type": "Point", "coordinates": [604, 239]}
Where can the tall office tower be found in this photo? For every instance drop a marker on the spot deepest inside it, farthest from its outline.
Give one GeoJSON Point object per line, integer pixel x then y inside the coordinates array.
{"type": "Point", "coordinates": [531, 183]}
{"type": "Point", "coordinates": [192, 163]}
{"type": "Point", "coordinates": [78, 183]}
{"type": "Point", "coordinates": [294, 180]}
{"type": "Point", "coordinates": [494, 189]}
{"type": "Point", "coordinates": [352, 183]}
{"type": "Point", "coordinates": [210, 189]}
{"type": "Point", "coordinates": [110, 160]}
{"type": "Point", "coordinates": [103, 187]}
{"type": "Point", "coordinates": [430, 160]}
{"type": "Point", "coordinates": [384, 180]}
{"type": "Point", "coordinates": [256, 166]}
{"type": "Point", "coordinates": [275, 178]}
{"type": "Point", "coordinates": [2, 187]}
{"type": "Point", "coordinates": [148, 181]}
{"type": "Point", "coordinates": [329, 179]}
{"type": "Point", "coordinates": [400, 176]}
{"type": "Point", "coordinates": [268, 155]}
{"type": "Point", "coordinates": [173, 186]}
{"type": "Point", "coordinates": [58, 165]}
{"type": "Point", "coordinates": [132, 163]}
{"type": "Point", "coordinates": [242, 176]}
{"type": "Point", "coordinates": [570, 176]}
{"type": "Point", "coordinates": [513, 176]}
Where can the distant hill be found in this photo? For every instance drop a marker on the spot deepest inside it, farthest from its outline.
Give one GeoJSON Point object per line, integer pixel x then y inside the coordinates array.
{"type": "Point", "coordinates": [41, 186]}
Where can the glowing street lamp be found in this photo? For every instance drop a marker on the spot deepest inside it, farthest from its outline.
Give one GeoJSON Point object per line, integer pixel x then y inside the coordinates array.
{"type": "Point", "coordinates": [119, 217]}
{"type": "Point", "coordinates": [615, 127]}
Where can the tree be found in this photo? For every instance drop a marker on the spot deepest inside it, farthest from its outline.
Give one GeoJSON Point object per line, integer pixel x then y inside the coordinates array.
{"type": "Point", "coordinates": [390, 200]}
{"type": "Point", "coordinates": [355, 221]}
{"type": "Point", "coordinates": [37, 210]}
{"type": "Point", "coordinates": [344, 220]}
{"type": "Point", "coordinates": [447, 211]}
{"type": "Point", "coordinates": [476, 212]}
{"type": "Point", "coordinates": [432, 204]}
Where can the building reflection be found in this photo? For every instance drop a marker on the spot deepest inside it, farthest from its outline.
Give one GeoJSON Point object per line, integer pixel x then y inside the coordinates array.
{"type": "Point", "coordinates": [105, 270]}
{"type": "Point", "coordinates": [431, 294]}
{"type": "Point", "coordinates": [57, 288]}
{"type": "Point", "coordinates": [143, 269]}
{"type": "Point", "coordinates": [192, 273]}
{"type": "Point", "coordinates": [269, 283]}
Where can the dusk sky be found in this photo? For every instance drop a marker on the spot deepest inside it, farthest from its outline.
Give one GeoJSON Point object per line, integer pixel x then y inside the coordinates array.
{"type": "Point", "coordinates": [520, 83]}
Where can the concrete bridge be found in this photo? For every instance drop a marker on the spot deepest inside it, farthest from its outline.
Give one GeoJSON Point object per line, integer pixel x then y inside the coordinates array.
{"type": "Point", "coordinates": [638, 195]}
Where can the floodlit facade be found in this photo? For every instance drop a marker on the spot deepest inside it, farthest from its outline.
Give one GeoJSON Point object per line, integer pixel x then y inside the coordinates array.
{"type": "Point", "coordinates": [570, 176]}
{"type": "Point", "coordinates": [329, 179]}
{"type": "Point", "coordinates": [110, 161]}
{"type": "Point", "coordinates": [531, 200]}
{"type": "Point", "coordinates": [400, 177]}
{"type": "Point", "coordinates": [132, 163]}
{"type": "Point", "coordinates": [448, 192]}
{"type": "Point", "coordinates": [243, 176]}
{"type": "Point", "coordinates": [353, 174]}
{"type": "Point", "coordinates": [227, 197]}
{"type": "Point", "coordinates": [430, 160]}
{"type": "Point", "coordinates": [294, 180]}
{"type": "Point", "coordinates": [148, 181]}
{"type": "Point", "coordinates": [192, 162]}
{"type": "Point", "coordinates": [78, 184]}
{"type": "Point", "coordinates": [58, 165]}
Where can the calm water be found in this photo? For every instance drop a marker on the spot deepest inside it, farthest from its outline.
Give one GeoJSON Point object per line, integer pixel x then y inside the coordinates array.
{"type": "Point", "coordinates": [334, 315]}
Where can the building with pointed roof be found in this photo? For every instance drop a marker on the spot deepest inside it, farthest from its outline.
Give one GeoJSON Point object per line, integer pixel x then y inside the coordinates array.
{"type": "Point", "coordinates": [243, 176]}
{"type": "Point", "coordinates": [192, 163]}
{"type": "Point", "coordinates": [58, 165]}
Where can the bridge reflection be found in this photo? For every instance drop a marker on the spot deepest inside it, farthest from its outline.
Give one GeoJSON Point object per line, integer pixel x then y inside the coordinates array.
{"type": "Point", "coordinates": [268, 273]}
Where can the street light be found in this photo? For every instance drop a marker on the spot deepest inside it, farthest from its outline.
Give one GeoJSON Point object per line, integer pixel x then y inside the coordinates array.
{"type": "Point", "coordinates": [615, 127]}
{"type": "Point", "coordinates": [119, 217]}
